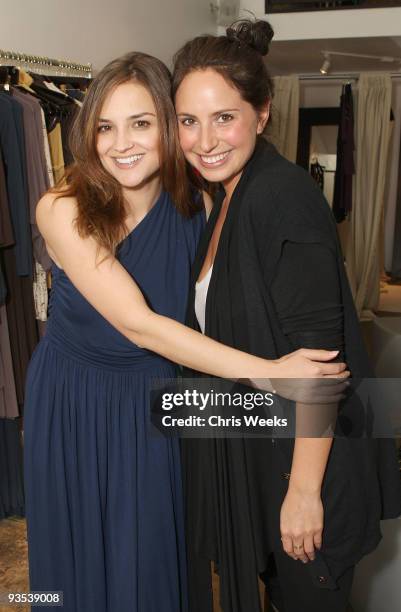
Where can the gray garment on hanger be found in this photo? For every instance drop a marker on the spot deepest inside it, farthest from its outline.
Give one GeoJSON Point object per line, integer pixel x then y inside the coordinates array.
{"type": "Point", "coordinates": [38, 181]}
{"type": "Point", "coordinates": [6, 230]}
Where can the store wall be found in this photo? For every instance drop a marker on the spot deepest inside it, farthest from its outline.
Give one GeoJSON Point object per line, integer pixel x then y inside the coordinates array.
{"type": "Point", "coordinates": [97, 31]}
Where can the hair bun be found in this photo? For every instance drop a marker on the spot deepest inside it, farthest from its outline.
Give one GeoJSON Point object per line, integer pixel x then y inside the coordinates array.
{"type": "Point", "coordinates": [256, 34]}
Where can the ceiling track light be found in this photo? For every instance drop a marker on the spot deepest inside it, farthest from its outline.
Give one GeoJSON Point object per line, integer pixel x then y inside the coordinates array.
{"type": "Point", "coordinates": [325, 67]}
{"type": "Point", "coordinates": [328, 55]}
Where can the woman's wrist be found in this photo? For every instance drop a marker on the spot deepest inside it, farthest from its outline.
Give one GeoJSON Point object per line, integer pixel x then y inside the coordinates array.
{"type": "Point", "coordinates": [302, 486]}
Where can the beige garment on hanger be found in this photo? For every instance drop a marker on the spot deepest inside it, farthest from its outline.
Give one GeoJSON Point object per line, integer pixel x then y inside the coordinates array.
{"type": "Point", "coordinates": [56, 153]}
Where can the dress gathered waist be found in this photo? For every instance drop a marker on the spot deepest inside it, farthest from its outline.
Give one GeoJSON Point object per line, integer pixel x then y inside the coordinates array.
{"type": "Point", "coordinates": [139, 360]}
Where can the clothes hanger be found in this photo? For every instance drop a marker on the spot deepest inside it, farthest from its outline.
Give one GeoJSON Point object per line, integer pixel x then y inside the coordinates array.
{"type": "Point", "coordinates": [8, 77]}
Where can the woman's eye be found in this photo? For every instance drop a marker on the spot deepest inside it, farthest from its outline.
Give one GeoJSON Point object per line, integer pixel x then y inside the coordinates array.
{"type": "Point", "coordinates": [225, 117]}
{"type": "Point", "coordinates": [141, 123]}
{"type": "Point", "coordinates": [103, 128]}
{"type": "Point", "coordinates": [188, 121]}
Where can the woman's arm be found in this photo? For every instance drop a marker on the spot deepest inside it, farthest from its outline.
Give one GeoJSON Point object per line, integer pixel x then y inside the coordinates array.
{"type": "Point", "coordinates": [108, 287]}
{"type": "Point", "coordinates": [306, 292]}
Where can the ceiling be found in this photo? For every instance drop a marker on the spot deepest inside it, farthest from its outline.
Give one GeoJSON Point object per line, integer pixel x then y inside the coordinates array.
{"type": "Point", "coordinates": [305, 57]}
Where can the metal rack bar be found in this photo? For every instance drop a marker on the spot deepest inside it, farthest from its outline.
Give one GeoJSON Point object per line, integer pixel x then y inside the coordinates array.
{"type": "Point", "coordinates": [45, 65]}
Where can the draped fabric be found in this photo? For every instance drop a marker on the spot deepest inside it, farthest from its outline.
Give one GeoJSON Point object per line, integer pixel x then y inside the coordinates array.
{"type": "Point", "coordinates": [372, 148]}
{"type": "Point", "coordinates": [282, 130]}
{"type": "Point", "coordinates": [396, 260]}
{"type": "Point", "coordinates": [234, 488]}
{"type": "Point", "coordinates": [103, 491]}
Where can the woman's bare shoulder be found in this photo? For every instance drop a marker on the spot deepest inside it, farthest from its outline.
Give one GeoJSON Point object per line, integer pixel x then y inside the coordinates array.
{"type": "Point", "coordinates": [55, 217]}
{"type": "Point", "coordinates": [55, 209]}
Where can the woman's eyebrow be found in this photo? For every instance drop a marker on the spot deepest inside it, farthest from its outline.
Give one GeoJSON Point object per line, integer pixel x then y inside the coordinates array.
{"type": "Point", "coordinates": [137, 116]}
{"type": "Point", "coordinates": [219, 112]}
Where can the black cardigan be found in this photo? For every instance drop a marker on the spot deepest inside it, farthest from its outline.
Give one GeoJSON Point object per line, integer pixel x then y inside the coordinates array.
{"type": "Point", "coordinates": [278, 284]}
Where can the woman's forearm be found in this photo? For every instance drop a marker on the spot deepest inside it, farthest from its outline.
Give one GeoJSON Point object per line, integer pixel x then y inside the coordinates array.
{"type": "Point", "coordinates": [189, 348]}
{"type": "Point", "coordinates": [309, 464]}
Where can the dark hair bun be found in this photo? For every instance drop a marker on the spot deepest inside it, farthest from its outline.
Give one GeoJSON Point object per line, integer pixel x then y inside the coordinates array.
{"type": "Point", "coordinates": [256, 34]}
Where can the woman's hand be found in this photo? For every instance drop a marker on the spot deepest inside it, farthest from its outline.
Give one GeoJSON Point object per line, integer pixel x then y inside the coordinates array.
{"type": "Point", "coordinates": [301, 523]}
{"type": "Point", "coordinates": [310, 363]}
{"type": "Point", "coordinates": [305, 376]}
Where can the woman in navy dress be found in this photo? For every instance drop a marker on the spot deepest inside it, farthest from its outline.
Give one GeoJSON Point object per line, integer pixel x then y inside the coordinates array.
{"type": "Point", "coordinates": [103, 496]}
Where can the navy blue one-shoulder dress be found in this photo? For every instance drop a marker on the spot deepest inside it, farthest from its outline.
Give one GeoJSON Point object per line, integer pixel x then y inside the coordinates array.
{"type": "Point", "coordinates": [103, 495]}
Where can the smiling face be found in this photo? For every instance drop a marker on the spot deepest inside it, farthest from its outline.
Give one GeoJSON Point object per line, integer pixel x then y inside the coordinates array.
{"type": "Point", "coordinates": [128, 139]}
{"type": "Point", "coordinates": [217, 127]}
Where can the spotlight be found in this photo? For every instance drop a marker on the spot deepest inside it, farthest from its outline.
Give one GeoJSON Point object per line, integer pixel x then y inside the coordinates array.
{"type": "Point", "coordinates": [326, 65]}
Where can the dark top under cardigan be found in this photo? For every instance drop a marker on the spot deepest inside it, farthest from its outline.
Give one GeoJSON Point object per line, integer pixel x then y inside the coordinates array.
{"type": "Point", "coordinates": [278, 284]}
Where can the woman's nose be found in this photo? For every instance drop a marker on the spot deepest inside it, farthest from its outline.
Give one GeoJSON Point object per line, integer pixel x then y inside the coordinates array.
{"type": "Point", "coordinates": [123, 141]}
{"type": "Point", "coordinates": [208, 140]}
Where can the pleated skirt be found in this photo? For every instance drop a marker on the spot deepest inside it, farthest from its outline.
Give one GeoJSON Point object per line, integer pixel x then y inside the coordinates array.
{"type": "Point", "coordinates": [103, 491]}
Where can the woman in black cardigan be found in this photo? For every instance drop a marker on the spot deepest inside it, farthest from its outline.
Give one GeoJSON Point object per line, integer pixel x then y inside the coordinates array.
{"type": "Point", "coordinates": [306, 509]}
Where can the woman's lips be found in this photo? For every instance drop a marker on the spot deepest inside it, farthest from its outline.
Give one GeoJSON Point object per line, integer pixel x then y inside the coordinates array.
{"type": "Point", "coordinates": [125, 163]}
{"type": "Point", "coordinates": [214, 161]}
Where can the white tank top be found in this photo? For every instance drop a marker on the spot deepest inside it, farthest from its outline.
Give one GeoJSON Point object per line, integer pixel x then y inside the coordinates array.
{"type": "Point", "coordinates": [201, 289]}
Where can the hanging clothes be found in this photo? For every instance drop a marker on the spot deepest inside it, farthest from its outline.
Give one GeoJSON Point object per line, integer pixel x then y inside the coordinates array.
{"type": "Point", "coordinates": [29, 160]}
{"type": "Point", "coordinates": [37, 177]}
{"type": "Point", "coordinates": [11, 475]}
{"type": "Point", "coordinates": [66, 111]}
{"type": "Point", "coordinates": [8, 397]}
{"type": "Point", "coordinates": [21, 320]}
{"type": "Point", "coordinates": [56, 153]}
{"type": "Point", "coordinates": [317, 173]}
{"type": "Point", "coordinates": [6, 230]}
{"type": "Point", "coordinates": [342, 198]}
{"type": "Point", "coordinates": [13, 150]}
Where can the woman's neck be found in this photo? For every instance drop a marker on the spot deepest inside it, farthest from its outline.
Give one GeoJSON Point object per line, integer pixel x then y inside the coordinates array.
{"type": "Point", "coordinates": [140, 200]}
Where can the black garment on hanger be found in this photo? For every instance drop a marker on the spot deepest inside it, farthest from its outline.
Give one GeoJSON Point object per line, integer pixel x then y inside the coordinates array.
{"type": "Point", "coordinates": [66, 110]}
{"type": "Point", "coordinates": [13, 150]}
{"type": "Point", "coordinates": [234, 488]}
{"type": "Point", "coordinates": [22, 325]}
{"type": "Point", "coordinates": [342, 198]}
{"type": "Point", "coordinates": [317, 173]}
{"type": "Point", "coordinates": [12, 501]}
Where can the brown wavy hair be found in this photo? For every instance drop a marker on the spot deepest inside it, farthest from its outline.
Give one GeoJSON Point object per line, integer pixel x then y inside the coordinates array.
{"type": "Point", "coordinates": [99, 196]}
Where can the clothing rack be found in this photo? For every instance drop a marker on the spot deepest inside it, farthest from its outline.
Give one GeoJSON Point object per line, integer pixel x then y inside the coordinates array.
{"type": "Point", "coordinates": [34, 151]}
{"type": "Point", "coordinates": [45, 65]}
